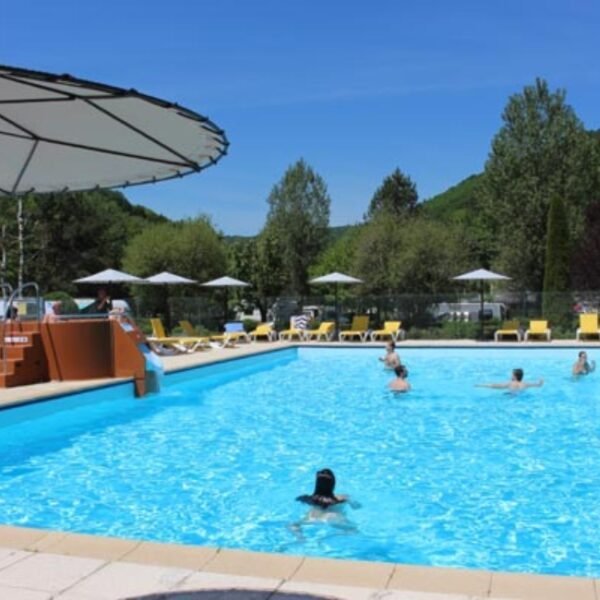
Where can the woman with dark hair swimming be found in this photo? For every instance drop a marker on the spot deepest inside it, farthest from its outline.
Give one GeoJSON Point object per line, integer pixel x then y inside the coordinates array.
{"type": "Point", "coordinates": [323, 496]}
{"type": "Point", "coordinates": [325, 506]}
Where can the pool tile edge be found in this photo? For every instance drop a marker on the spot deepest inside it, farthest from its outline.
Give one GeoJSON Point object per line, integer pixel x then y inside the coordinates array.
{"type": "Point", "coordinates": [301, 569]}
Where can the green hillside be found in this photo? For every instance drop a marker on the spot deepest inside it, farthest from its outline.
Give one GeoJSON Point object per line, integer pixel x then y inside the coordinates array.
{"type": "Point", "coordinates": [458, 203]}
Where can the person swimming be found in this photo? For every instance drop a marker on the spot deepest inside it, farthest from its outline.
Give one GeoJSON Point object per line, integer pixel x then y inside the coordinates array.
{"type": "Point", "coordinates": [390, 360]}
{"type": "Point", "coordinates": [515, 384]}
{"type": "Point", "coordinates": [582, 366]}
{"type": "Point", "coordinates": [400, 384]}
{"type": "Point", "coordinates": [323, 496]}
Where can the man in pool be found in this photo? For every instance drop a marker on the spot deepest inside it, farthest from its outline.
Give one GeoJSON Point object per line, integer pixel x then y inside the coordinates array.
{"type": "Point", "coordinates": [399, 384]}
{"type": "Point", "coordinates": [391, 360]}
{"type": "Point", "coordinates": [515, 384]}
{"type": "Point", "coordinates": [582, 366]}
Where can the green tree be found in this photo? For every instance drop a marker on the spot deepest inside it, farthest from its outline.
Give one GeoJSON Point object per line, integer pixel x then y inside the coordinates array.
{"type": "Point", "coordinates": [191, 248]}
{"type": "Point", "coordinates": [540, 152]}
{"type": "Point", "coordinates": [269, 276]}
{"type": "Point", "coordinates": [298, 219]}
{"type": "Point", "coordinates": [556, 301]}
{"type": "Point", "coordinates": [339, 255]}
{"type": "Point", "coordinates": [69, 235]}
{"type": "Point", "coordinates": [392, 259]}
{"type": "Point", "coordinates": [403, 262]}
{"type": "Point", "coordinates": [396, 196]}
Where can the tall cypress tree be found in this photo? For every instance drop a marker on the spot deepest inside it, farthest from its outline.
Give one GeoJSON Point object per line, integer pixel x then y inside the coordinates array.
{"type": "Point", "coordinates": [556, 301]}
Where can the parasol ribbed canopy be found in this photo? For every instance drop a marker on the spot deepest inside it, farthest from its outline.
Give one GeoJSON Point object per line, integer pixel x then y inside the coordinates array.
{"type": "Point", "coordinates": [61, 133]}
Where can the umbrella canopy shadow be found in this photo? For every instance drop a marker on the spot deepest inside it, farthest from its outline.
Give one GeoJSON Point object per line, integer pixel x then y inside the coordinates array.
{"type": "Point", "coordinates": [230, 594]}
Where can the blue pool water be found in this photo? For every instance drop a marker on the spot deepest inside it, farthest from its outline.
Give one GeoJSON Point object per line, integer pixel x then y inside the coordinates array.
{"type": "Point", "coordinates": [448, 475]}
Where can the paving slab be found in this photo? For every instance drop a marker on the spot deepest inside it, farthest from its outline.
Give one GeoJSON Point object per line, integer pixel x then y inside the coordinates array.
{"type": "Point", "coordinates": [309, 591]}
{"type": "Point", "coordinates": [171, 555]}
{"type": "Point", "coordinates": [429, 579]}
{"type": "Point", "coordinates": [20, 538]}
{"type": "Point", "coordinates": [48, 572]}
{"type": "Point", "coordinates": [259, 564]}
{"type": "Point", "coordinates": [91, 546]}
{"type": "Point", "coordinates": [119, 580]}
{"type": "Point", "coordinates": [537, 587]}
{"type": "Point", "coordinates": [10, 593]}
{"type": "Point", "coordinates": [255, 588]}
{"type": "Point", "coordinates": [344, 572]}
{"type": "Point", "coordinates": [8, 556]}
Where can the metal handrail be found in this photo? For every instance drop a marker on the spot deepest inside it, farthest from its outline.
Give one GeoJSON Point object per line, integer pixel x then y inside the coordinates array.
{"type": "Point", "coordinates": [17, 294]}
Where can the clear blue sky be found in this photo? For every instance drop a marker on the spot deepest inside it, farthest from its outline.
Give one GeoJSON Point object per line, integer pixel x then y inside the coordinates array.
{"type": "Point", "coordinates": [355, 88]}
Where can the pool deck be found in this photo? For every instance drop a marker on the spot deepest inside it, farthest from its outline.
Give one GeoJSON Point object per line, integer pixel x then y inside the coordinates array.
{"type": "Point", "coordinates": [37, 564]}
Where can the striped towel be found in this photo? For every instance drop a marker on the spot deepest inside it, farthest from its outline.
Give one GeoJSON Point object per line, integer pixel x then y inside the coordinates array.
{"type": "Point", "coordinates": [299, 322]}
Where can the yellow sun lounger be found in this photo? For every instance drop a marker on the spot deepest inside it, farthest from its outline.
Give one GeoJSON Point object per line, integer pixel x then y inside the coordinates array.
{"type": "Point", "coordinates": [588, 326]}
{"type": "Point", "coordinates": [234, 332]}
{"type": "Point", "coordinates": [359, 329]}
{"type": "Point", "coordinates": [264, 330]}
{"type": "Point", "coordinates": [391, 329]}
{"type": "Point", "coordinates": [325, 331]}
{"type": "Point", "coordinates": [508, 328]}
{"type": "Point", "coordinates": [538, 329]}
{"type": "Point", "coordinates": [181, 343]}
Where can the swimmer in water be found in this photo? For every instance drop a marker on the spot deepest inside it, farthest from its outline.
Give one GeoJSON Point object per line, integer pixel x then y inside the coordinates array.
{"type": "Point", "coordinates": [515, 384]}
{"type": "Point", "coordinates": [325, 505]}
{"type": "Point", "coordinates": [582, 366]}
{"type": "Point", "coordinates": [400, 384]}
{"type": "Point", "coordinates": [390, 360]}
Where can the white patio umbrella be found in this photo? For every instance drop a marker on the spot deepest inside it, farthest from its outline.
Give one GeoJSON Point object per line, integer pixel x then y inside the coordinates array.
{"type": "Point", "coordinates": [167, 279]}
{"type": "Point", "coordinates": [336, 279]}
{"type": "Point", "coordinates": [59, 133]}
{"type": "Point", "coordinates": [110, 276]}
{"type": "Point", "coordinates": [225, 283]}
{"type": "Point", "coordinates": [481, 275]}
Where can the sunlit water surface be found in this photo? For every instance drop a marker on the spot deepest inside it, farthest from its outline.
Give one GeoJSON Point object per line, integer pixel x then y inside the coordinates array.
{"type": "Point", "coordinates": [447, 475]}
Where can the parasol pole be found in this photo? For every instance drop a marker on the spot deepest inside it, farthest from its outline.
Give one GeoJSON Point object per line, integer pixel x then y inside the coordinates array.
{"type": "Point", "coordinates": [481, 311]}
{"type": "Point", "coordinates": [337, 313]}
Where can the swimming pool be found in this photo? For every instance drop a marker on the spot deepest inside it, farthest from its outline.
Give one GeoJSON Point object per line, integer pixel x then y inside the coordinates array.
{"type": "Point", "coordinates": [448, 475]}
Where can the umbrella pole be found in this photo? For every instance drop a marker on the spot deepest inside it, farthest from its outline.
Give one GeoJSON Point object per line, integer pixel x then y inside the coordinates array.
{"type": "Point", "coordinates": [337, 314]}
{"type": "Point", "coordinates": [225, 305]}
{"type": "Point", "coordinates": [481, 312]}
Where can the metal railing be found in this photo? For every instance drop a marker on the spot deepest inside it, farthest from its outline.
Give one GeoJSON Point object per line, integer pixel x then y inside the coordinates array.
{"type": "Point", "coordinates": [9, 307]}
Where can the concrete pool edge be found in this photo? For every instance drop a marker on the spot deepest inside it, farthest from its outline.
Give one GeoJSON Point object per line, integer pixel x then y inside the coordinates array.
{"type": "Point", "coordinates": [298, 570]}
{"type": "Point", "coordinates": [293, 570]}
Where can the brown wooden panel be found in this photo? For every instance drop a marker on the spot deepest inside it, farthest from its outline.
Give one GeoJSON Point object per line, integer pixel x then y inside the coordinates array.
{"type": "Point", "coordinates": [78, 349]}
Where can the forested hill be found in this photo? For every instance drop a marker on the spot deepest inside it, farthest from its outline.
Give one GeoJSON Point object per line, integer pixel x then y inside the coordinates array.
{"type": "Point", "coordinates": [457, 203]}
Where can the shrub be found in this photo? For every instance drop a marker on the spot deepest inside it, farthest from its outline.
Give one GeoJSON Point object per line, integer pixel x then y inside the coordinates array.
{"type": "Point", "coordinates": [68, 306]}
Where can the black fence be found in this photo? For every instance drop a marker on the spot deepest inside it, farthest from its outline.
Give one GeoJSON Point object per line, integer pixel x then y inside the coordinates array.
{"type": "Point", "coordinates": [439, 316]}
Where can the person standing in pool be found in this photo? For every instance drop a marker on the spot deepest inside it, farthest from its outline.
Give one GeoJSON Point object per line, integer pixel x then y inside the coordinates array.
{"type": "Point", "coordinates": [400, 384]}
{"type": "Point", "coordinates": [582, 366]}
{"type": "Point", "coordinates": [390, 360]}
{"type": "Point", "coordinates": [515, 384]}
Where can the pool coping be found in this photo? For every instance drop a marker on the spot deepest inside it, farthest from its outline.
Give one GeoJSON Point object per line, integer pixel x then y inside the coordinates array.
{"type": "Point", "coordinates": [290, 570]}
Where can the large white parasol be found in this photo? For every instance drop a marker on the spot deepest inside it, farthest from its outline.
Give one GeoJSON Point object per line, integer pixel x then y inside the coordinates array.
{"type": "Point", "coordinates": [167, 279]}
{"type": "Point", "coordinates": [336, 279]}
{"type": "Point", "coordinates": [481, 275]}
{"type": "Point", "coordinates": [225, 283]}
{"type": "Point", "coordinates": [110, 276]}
{"type": "Point", "coordinates": [59, 133]}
